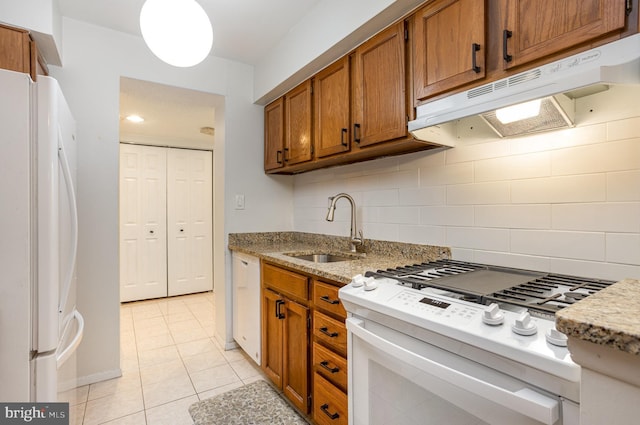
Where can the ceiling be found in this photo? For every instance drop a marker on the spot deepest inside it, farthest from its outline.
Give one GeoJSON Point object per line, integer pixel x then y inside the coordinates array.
{"type": "Point", "coordinates": [243, 30]}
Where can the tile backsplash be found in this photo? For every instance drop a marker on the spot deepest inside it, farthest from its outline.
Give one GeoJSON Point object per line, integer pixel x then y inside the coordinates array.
{"type": "Point", "coordinates": [566, 201]}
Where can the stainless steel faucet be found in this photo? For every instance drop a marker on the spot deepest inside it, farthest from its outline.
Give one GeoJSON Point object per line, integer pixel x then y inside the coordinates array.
{"type": "Point", "coordinates": [355, 240]}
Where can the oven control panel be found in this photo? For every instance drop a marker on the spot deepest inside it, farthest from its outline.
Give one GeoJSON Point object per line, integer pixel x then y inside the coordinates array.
{"type": "Point", "coordinates": [428, 306]}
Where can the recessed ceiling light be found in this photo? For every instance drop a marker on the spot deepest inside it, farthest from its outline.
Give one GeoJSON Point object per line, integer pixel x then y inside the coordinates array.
{"type": "Point", "coordinates": [135, 118]}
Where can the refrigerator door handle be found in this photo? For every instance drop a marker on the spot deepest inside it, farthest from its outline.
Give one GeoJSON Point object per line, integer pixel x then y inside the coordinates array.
{"type": "Point", "coordinates": [66, 171]}
{"type": "Point", "coordinates": [64, 355]}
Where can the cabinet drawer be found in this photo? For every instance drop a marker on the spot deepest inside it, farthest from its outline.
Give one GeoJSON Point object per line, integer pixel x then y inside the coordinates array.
{"type": "Point", "coordinates": [331, 332]}
{"type": "Point", "coordinates": [329, 403]}
{"type": "Point", "coordinates": [285, 281]}
{"type": "Point", "coordinates": [330, 365]}
{"type": "Point", "coordinates": [325, 297]}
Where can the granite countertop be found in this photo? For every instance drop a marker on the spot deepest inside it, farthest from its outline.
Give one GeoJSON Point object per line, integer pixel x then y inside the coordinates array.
{"type": "Point", "coordinates": [272, 246]}
{"type": "Point", "coordinates": [608, 318]}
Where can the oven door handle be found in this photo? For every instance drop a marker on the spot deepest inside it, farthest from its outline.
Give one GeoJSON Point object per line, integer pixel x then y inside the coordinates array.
{"type": "Point", "coordinates": [525, 401]}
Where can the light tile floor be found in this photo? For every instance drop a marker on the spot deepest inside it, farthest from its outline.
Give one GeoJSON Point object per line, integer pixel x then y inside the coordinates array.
{"type": "Point", "coordinates": [169, 360]}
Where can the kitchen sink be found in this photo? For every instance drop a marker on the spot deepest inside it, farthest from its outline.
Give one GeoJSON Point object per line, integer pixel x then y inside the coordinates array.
{"type": "Point", "coordinates": [323, 257]}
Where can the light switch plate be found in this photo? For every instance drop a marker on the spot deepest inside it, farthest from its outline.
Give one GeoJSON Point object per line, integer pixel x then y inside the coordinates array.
{"type": "Point", "coordinates": [239, 202]}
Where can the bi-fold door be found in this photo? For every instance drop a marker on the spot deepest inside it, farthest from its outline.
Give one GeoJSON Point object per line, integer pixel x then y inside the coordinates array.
{"type": "Point", "coordinates": [165, 222]}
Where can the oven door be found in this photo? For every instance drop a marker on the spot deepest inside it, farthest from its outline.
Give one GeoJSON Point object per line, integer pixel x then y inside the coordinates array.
{"type": "Point", "coordinates": [398, 379]}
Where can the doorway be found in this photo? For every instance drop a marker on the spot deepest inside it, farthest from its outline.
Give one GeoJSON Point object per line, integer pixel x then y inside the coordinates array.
{"type": "Point", "coordinates": [178, 125]}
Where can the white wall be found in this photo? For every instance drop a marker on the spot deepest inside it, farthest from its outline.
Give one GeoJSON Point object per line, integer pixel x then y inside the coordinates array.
{"type": "Point", "coordinates": [567, 202]}
{"type": "Point", "coordinates": [95, 59]}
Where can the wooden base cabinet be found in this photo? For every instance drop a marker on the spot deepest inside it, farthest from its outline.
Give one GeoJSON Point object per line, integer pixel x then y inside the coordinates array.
{"type": "Point", "coordinates": [285, 335]}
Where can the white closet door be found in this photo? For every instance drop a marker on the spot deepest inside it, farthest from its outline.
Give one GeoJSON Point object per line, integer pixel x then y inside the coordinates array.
{"type": "Point", "coordinates": [189, 221]}
{"type": "Point", "coordinates": [143, 221]}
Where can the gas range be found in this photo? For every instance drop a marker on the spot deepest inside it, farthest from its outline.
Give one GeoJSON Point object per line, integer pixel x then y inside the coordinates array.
{"type": "Point", "coordinates": [542, 294]}
{"type": "Point", "coordinates": [504, 316]}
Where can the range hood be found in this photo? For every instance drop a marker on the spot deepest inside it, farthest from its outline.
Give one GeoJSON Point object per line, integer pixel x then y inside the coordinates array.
{"type": "Point", "coordinates": [558, 82]}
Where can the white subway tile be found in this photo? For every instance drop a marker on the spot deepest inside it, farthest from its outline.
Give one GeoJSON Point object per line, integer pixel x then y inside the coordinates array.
{"type": "Point", "coordinates": [584, 188]}
{"type": "Point", "coordinates": [400, 215]}
{"type": "Point", "coordinates": [447, 215]}
{"type": "Point", "coordinates": [462, 254]}
{"type": "Point", "coordinates": [464, 152]}
{"type": "Point", "coordinates": [603, 217]}
{"type": "Point", "coordinates": [596, 270]}
{"type": "Point", "coordinates": [574, 245]}
{"type": "Point", "coordinates": [623, 248]}
{"type": "Point", "coordinates": [381, 231]}
{"type": "Point", "coordinates": [513, 167]}
{"type": "Point", "coordinates": [449, 174]}
{"type": "Point", "coordinates": [624, 129]}
{"type": "Point", "coordinates": [478, 238]}
{"type": "Point", "coordinates": [545, 142]}
{"type": "Point", "coordinates": [432, 195]}
{"type": "Point", "coordinates": [623, 186]}
{"type": "Point", "coordinates": [424, 235]}
{"type": "Point", "coordinates": [513, 216]}
{"type": "Point", "coordinates": [378, 198]}
{"type": "Point", "coordinates": [507, 259]}
{"type": "Point", "coordinates": [424, 159]}
{"type": "Point", "coordinates": [398, 179]}
{"type": "Point", "coordinates": [479, 193]}
{"type": "Point", "coordinates": [601, 157]}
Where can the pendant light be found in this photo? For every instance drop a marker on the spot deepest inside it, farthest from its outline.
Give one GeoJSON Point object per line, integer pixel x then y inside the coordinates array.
{"type": "Point", "coordinates": [178, 32]}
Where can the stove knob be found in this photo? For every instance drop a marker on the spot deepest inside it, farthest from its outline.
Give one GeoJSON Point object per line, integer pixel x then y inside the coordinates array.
{"type": "Point", "coordinates": [370, 284]}
{"type": "Point", "coordinates": [357, 281]}
{"type": "Point", "coordinates": [556, 337]}
{"type": "Point", "coordinates": [492, 315]}
{"type": "Point", "coordinates": [524, 325]}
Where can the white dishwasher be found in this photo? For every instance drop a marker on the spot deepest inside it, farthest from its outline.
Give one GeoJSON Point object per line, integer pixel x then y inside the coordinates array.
{"type": "Point", "coordinates": [246, 304]}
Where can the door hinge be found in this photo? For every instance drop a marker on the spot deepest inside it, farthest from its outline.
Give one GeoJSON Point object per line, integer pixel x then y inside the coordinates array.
{"type": "Point", "coordinates": [309, 401]}
{"type": "Point", "coordinates": [629, 7]}
{"type": "Point", "coordinates": [308, 322]}
{"type": "Point", "coordinates": [406, 32]}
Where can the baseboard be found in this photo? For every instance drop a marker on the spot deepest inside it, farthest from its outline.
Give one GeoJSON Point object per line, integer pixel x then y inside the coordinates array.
{"type": "Point", "coordinates": [98, 377]}
{"type": "Point", "coordinates": [226, 345]}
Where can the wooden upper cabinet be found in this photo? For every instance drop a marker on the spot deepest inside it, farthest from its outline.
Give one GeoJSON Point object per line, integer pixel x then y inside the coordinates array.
{"type": "Point", "coordinates": [379, 97]}
{"type": "Point", "coordinates": [449, 46]}
{"type": "Point", "coordinates": [297, 138]}
{"type": "Point", "coordinates": [274, 135]}
{"type": "Point", "coordinates": [18, 52]}
{"type": "Point", "coordinates": [331, 91]}
{"type": "Point", "coordinates": [537, 28]}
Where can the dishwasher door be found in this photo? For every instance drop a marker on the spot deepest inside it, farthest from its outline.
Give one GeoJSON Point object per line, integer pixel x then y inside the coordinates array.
{"type": "Point", "coordinates": [246, 304]}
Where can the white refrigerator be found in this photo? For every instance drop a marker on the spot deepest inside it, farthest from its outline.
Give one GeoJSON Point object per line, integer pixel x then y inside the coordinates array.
{"type": "Point", "coordinates": [40, 327]}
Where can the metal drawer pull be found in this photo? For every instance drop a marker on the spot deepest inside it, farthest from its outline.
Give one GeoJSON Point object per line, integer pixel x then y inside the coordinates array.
{"type": "Point", "coordinates": [325, 331]}
{"type": "Point", "coordinates": [325, 365]}
{"type": "Point", "coordinates": [325, 409]}
{"type": "Point", "coordinates": [475, 47]}
{"type": "Point", "coordinates": [506, 35]}
{"type": "Point", "coordinates": [279, 157]}
{"type": "Point", "coordinates": [343, 142]}
{"type": "Point", "coordinates": [326, 299]}
{"type": "Point", "coordinates": [279, 314]}
{"type": "Point", "coordinates": [356, 133]}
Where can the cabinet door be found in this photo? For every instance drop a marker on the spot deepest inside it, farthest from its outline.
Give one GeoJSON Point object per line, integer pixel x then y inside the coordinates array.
{"type": "Point", "coordinates": [15, 49]}
{"type": "Point", "coordinates": [143, 225]}
{"type": "Point", "coordinates": [537, 28]}
{"type": "Point", "coordinates": [272, 327]}
{"type": "Point", "coordinates": [189, 221]}
{"type": "Point", "coordinates": [379, 112]}
{"type": "Point", "coordinates": [449, 46]}
{"type": "Point", "coordinates": [296, 355]}
{"type": "Point", "coordinates": [297, 109]}
{"type": "Point", "coordinates": [274, 135]}
{"type": "Point", "coordinates": [332, 104]}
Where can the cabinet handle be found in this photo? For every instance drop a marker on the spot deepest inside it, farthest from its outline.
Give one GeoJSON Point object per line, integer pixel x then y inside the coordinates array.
{"type": "Point", "coordinates": [325, 331]}
{"type": "Point", "coordinates": [325, 409]}
{"type": "Point", "coordinates": [356, 133]}
{"type": "Point", "coordinates": [475, 47]}
{"type": "Point", "coordinates": [506, 35]}
{"type": "Point", "coordinates": [279, 157]}
{"type": "Point", "coordinates": [326, 299]}
{"type": "Point", "coordinates": [279, 314]}
{"type": "Point", "coordinates": [343, 142]}
{"type": "Point", "coordinates": [325, 365]}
